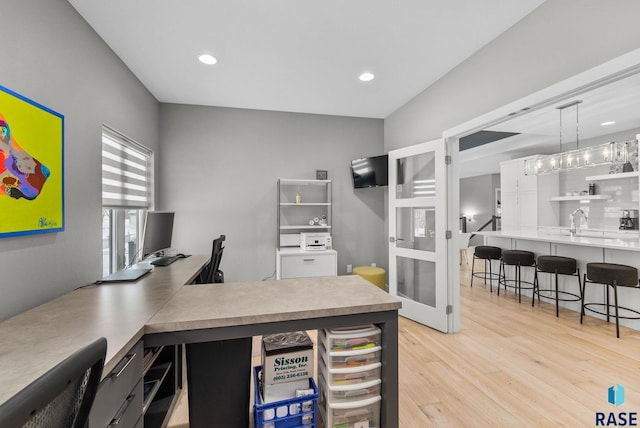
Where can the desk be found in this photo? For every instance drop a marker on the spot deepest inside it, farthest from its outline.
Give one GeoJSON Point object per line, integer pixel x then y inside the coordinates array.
{"type": "Point", "coordinates": [162, 309]}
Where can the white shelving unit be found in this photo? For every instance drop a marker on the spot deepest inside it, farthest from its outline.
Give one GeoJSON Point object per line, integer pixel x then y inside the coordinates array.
{"type": "Point", "coordinates": [295, 213]}
{"type": "Point", "coordinates": [299, 203]}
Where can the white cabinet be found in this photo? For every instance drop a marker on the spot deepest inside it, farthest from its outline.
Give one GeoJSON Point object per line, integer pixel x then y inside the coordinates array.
{"type": "Point", "coordinates": [526, 197]}
{"type": "Point", "coordinates": [297, 263]}
{"type": "Point", "coordinates": [514, 179]}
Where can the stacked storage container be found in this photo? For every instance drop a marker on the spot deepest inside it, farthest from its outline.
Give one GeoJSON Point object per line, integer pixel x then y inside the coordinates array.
{"type": "Point", "coordinates": [349, 377]}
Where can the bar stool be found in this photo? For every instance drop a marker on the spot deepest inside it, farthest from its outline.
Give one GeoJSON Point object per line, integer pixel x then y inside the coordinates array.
{"type": "Point", "coordinates": [557, 265]}
{"type": "Point", "coordinates": [518, 259]}
{"type": "Point", "coordinates": [486, 253]}
{"type": "Point", "coordinates": [610, 275]}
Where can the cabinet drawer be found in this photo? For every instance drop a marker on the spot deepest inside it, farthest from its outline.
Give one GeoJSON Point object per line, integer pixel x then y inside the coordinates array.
{"type": "Point", "coordinates": [308, 265]}
{"type": "Point", "coordinates": [130, 412]}
{"type": "Point", "coordinates": [115, 390]}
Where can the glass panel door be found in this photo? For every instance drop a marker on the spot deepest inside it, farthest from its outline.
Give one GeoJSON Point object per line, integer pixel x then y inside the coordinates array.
{"type": "Point", "coordinates": [417, 227]}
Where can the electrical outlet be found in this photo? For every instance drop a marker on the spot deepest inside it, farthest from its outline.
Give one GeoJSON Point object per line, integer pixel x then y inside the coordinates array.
{"type": "Point", "coordinates": [349, 268]}
{"type": "Point", "coordinates": [373, 265]}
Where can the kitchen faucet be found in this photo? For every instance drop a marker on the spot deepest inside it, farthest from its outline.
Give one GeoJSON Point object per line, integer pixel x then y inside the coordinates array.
{"type": "Point", "coordinates": [572, 218]}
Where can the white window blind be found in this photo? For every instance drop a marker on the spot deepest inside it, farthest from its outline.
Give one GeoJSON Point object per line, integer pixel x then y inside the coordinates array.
{"type": "Point", "coordinates": [126, 167]}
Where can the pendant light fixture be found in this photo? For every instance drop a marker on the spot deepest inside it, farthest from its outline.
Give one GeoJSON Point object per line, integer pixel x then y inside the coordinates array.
{"type": "Point", "coordinates": [601, 154]}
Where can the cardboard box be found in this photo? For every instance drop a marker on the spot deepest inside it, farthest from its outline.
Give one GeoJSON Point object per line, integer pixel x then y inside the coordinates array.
{"type": "Point", "coordinates": [287, 357]}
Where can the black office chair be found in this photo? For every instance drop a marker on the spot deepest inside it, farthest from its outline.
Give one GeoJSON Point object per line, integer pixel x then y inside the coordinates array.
{"type": "Point", "coordinates": [212, 272]}
{"type": "Point", "coordinates": [62, 397]}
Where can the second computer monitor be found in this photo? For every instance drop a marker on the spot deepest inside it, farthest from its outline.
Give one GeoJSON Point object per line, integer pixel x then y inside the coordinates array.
{"type": "Point", "coordinates": [158, 229]}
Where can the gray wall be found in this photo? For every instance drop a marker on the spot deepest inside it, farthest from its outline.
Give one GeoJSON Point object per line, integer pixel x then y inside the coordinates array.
{"type": "Point", "coordinates": [477, 196]}
{"type": "Point", "coordinates": [219, 171]}
{"type": "Point", "coordinates": [559, 39]}
{"type": "Point", "coordinates": [53, 57]}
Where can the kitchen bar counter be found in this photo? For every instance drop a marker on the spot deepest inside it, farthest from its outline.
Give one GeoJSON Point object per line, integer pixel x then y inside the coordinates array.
{"type": "Point", "coordinates": [628, 241]}
{"type": "Point", "coordinates": [620, 247]}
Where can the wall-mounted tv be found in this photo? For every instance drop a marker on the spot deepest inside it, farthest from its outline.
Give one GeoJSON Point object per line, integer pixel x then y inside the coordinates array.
{"type": "Point", "coordinates": [370, 172]}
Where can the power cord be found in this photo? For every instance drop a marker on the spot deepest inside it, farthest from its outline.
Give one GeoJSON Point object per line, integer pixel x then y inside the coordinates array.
{"type": "Point", "coordinates": [270, 276]}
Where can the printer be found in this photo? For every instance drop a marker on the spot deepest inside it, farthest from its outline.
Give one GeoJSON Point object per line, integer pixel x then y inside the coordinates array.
{"type": "Point", "coordinates": [315, 241]}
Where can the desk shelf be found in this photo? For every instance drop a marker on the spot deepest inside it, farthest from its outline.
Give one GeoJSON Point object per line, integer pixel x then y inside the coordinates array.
{"type": "Point", "coordinates": [155, 378]}
{"type": "Point", "coordinates": [162, 373]}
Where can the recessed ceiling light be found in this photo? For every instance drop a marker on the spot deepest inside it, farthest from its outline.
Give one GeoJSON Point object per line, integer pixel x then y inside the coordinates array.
{"type": "Point", "coordinates": [367, 77]}
{"type": "Point", "coordinates": [207, 59]}
{"type": "Point", "coordinates": [610, 122]}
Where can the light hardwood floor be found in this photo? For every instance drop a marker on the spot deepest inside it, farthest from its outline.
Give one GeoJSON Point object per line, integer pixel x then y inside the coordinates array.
{"type": "Point", "coordinates": [510, 366]}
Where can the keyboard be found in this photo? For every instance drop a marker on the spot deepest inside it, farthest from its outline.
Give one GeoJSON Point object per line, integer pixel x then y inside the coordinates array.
{"type": "Point", "coordinates": [164, 261]}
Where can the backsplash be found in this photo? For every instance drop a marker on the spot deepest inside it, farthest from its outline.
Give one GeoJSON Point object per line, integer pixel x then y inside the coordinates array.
{"type": "Point", "coordinates": [602, 214]}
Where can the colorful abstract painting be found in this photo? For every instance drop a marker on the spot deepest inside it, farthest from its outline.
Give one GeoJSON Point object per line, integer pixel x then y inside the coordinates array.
{"type": "Point", "coordinates": [31, 167]}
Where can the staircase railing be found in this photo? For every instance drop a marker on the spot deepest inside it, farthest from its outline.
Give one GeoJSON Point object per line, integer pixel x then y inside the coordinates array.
{"type": "Point", "coordinates": [493, 222]}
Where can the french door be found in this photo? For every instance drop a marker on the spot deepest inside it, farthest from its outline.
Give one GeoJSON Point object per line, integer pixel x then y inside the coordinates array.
{"type": "Point", "coordinates": [417, 232]}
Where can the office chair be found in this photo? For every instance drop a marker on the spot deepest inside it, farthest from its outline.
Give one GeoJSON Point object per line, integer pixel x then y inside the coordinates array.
{"type": "Point", "coordinates": [212, 272]}
{"type": "Point", "coordinates": [62, 397]}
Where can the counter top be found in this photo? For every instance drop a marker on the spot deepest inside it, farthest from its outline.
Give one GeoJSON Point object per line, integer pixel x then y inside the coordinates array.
{"type": "Point", "coordinates": [243, 303]}
{"type": "Point", "coordinates": [631, 243]}
{"type": "Point", "coordinates": [33, 342]}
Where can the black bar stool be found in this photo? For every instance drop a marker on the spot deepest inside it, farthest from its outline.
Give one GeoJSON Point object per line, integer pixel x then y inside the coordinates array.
{"type": "Point", "coordinates": [610, 275]}
{"type": "Point", "coordinates": [486, 253]}
{"type": "Point", "coordinates": [517, 259]}
{"type": "Point", "coordinates": [557, 265]}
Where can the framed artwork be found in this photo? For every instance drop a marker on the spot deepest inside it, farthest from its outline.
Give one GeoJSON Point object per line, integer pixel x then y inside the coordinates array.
{"type": "Point", "coordinates": [31, 166]}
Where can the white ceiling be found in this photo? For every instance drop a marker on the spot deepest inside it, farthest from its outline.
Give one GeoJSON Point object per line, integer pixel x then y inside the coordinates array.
{"type": "Point", "coordinates": [539, 130]}
{"type": "Point", "coordinates": [296, 55]}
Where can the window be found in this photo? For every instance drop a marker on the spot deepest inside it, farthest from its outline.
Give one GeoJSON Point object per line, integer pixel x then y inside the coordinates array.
{"type": "Point", "coordinates": [126, 196]}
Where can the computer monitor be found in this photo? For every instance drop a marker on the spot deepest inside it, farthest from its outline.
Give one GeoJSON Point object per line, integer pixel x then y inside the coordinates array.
{"type": "Point", "coordinates": [158, 229]}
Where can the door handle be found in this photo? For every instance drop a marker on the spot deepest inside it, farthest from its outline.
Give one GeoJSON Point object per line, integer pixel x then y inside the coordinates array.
{"type": "Point", "coordinates": [394, 239]}
{"type": "Point", "coordinates": [129, 358]}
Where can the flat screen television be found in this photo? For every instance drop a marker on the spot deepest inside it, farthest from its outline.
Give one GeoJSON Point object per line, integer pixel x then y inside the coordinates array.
{"type": "Point", "coordinates": [370, 172]}
{"type": "Point", "coordinates": [158, 230]}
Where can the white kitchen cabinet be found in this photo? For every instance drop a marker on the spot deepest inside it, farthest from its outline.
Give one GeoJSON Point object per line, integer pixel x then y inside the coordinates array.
{"type": "Point", "coordinates": [514, 179]}
{"type": "Point", "coordinates": [526, 198]}
{"type": "Point", "coordinates": [297, 263]}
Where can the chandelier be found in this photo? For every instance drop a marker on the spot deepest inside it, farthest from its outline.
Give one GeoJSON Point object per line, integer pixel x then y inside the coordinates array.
{"type": "Point", "coordinates": [601, 154]}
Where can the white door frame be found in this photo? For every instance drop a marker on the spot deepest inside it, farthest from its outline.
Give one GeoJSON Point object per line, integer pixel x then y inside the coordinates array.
{"type": "Point", "coordinates": [601, 75]}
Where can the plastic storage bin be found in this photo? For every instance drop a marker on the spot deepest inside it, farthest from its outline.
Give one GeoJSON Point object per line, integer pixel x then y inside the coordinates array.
{"type": "Point", "coordinates": [349, 375]}
{"type": "Point", "coordinates": [348, 393]}
{"type": "Point", "coordinates": [358, 414]}
{"type": "Point", "coordinates": [344, 359]}
{"type": "Point", "coordinates": [294, 412]}
{"type": "Point", "coordinates": [350, 339]}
